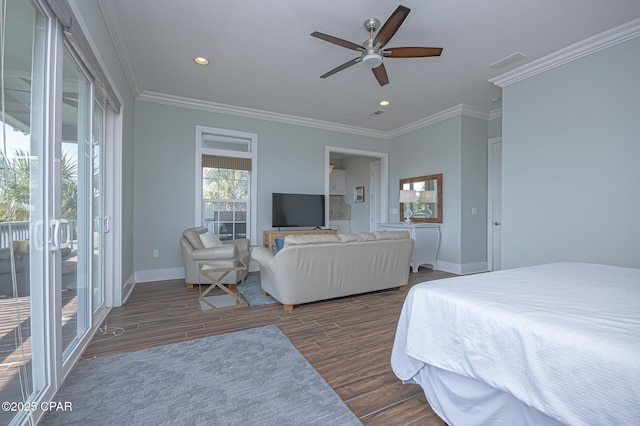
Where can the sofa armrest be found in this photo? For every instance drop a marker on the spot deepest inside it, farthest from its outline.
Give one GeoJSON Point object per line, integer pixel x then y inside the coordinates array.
{"type": "Point", "coordinates": [264, 257]}
{"type": "Point", "coordinates": [229, 251]}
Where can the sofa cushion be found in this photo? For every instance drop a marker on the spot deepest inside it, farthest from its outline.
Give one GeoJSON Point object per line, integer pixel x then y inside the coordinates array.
{"type": "Point", "coordinates": [290, 240]}
{"type": "Point", "coordinates": [362, 236]}
{"type": "Point", "coordinates": [209, 239]}
{"type": "Point", "coordinates": [391, 235]}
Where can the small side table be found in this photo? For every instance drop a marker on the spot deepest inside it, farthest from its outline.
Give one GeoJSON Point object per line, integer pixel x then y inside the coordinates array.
{"type": "Point", "coordinates": [210, 267]}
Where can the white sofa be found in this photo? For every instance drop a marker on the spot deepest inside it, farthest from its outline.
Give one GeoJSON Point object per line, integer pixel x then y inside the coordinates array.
{"type": "Point", "coordinates": [317, 267]}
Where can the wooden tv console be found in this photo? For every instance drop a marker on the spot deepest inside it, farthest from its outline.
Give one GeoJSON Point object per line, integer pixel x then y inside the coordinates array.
{"type": "Point", "coordinates": [269, 237]}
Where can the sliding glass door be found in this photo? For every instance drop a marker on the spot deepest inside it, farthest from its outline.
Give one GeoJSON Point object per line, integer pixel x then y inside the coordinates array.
{"type": "Point", "coordinates": [51, 207]}
{"type": "Point", "coordinates": [99, 221]}
{"type": "Point", "coordinates": [74, 202]}
{"type": "Point", "coordinates": [24, 179]}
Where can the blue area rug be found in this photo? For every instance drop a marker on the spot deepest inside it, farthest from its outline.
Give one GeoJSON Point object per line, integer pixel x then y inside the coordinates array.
{"type": "Point", "coordinates": [249, 377]}
{"type": "Point", "coordinates": [252, 292]}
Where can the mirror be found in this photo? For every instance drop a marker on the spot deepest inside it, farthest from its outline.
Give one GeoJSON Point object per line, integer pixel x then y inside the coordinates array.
{"type": "Point", "coordinates": [427, 206]}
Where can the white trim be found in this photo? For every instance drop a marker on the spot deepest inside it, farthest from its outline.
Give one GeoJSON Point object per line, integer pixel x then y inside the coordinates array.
{"type": "Point", "coordinates": [453, 268]}
{"type": "Point", "coordinates": [253, 184]}
{"type": "Point", "coordinates": [462, 269]}
{"type": "Point", "coordinates": [200, 105]}
{"type": "Point", "coordinates": [456, 111]}
{"type": "Point", "coordinates": [570, 53]}
{"type": "Point", "coordinates": [113, 207]}
{"type": "Point", "coordinates": [177, 273]}
{"type": "Point", "coordinates": [112, 17]}
{"type": "Point", "coordinates": [164, 274]}
{"type": "Point", "coordinates": [384, 176]}
{"type": "Point", "coordinates": [177, 101]}
{"type": "Point", "coordinates": [473, 268]}
{"type": "Point", "coordinates": [128, 287]}
{"type": "Point", "coordinates": [495, 113]}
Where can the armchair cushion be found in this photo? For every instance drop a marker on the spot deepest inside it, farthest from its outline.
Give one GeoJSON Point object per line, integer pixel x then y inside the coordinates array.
{"type": "Point", "coordinates": [209, 239]}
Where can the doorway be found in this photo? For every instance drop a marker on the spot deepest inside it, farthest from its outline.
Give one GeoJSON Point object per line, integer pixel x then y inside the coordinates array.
{"type": "Point", "coordinates": [494, 203]}
{"type": "Point", "coordinates": [366, 173]}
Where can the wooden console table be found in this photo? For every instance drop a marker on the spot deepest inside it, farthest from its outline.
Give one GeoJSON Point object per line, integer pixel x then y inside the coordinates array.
{"type": "Point", "coordinates": [269, 237]}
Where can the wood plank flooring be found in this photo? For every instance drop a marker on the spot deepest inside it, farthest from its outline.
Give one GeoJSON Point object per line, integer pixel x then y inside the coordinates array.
{"type": "Point", "coordinates": [348, 340]}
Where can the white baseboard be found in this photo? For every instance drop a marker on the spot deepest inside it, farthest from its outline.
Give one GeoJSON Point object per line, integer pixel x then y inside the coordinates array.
{"type": "Point", "coordinates": [463, 269]}
{"type": "Point", "coordinates": [166, 274]}
{"type": "Point", "coordinates": [159, 275]}
{"type": "Point", "coordinates": [474, 268]}
{"type": "Point", "coordinates": [128, 288]}
{"type": "Point", "coordinates": [453, 268]}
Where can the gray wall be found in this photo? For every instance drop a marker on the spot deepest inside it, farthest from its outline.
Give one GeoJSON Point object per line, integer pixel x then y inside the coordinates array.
{"type": "Point", "coordinates": [290, 159]}
{"type": "Point", "coordinates": [358, 175]}
{"type": "Point", "coordinates": [474, 191]}
{"type": "Point", "coordinates": [431, 150]}
{"type": "Point", "coordinates": [457, 148]}
{"type": "Point", "coordinates": [571, 145]}
{"type": "Point", "coordinates": [495, 128]}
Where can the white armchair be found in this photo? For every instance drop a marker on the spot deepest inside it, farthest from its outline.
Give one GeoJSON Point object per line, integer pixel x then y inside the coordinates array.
{"type": "Point", "coordinates": [193, 250]}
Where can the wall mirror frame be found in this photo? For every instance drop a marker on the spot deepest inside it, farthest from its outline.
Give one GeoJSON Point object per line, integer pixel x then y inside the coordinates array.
{"type": "Point", "coordinates": [428, 205]}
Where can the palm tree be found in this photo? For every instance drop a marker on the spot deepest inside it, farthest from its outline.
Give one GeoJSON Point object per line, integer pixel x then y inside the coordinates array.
{"type": "Point", "coordinates": [16, 184]}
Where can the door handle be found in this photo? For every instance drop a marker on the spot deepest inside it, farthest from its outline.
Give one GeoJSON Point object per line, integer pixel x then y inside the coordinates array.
{"type": "Point", "coordinates": [59, 226]}
{"type": "Point", "coordinates": [65, 226]}
{"type": "Point", "coordinates": [496, 224]}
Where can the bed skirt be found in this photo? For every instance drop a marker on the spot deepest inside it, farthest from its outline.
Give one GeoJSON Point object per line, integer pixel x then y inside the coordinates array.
{"type": "Point", "coordinates": [460, 400]}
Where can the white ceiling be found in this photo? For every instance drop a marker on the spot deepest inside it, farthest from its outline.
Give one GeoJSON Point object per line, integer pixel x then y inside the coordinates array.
{"type": "Point", "coordinates": [262, 55]}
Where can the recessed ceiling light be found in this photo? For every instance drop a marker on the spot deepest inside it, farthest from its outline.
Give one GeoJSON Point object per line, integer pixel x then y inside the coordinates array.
{"type": "Point", "coordinates": [200, 60]}
{"type": "Point", "coordinates": [384, 103]}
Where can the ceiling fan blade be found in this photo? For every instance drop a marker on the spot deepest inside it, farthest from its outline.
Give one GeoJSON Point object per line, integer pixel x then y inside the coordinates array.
{"type": "Point", "coordinates": [381, 75]}
{"type": "Point", "coordinates": [70, 102]}
{"type": "Point", "coordinates": [391, 26]}
{"type": "Point", "coordinates": [338, 41]}
{"type": "Point", "coordinates": [341, 67]}
{"type": "Point", "coordinates": [412, 52]}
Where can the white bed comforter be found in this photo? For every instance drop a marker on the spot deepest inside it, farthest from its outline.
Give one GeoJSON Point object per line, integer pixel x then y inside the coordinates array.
{"type": "Point", "coordinates": [563, 338]}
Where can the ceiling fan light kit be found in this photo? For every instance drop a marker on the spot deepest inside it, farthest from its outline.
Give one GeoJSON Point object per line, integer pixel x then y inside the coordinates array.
{"type": "Point", "coordinates": [372, 60]}
{"type": "Point", "coordinates": [372, 52]}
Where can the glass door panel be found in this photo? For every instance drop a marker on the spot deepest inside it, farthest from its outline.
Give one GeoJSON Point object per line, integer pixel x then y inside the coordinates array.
{"type": "Point", "coordinates": [99, 224]}
{"type": "Point", "coordinates": [23, 249]}
{"type": "Point", "coordinates": [75, 204]}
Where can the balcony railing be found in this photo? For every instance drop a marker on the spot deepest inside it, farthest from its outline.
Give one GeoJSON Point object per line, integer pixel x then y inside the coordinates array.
{"type": "Point", "coordinates": [20, 231]}
{"type": "Point", "coordinates": [13, 231]}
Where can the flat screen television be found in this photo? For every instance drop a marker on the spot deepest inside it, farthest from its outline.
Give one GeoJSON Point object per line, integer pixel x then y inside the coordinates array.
{"type": "Point", "coordinates": [297, 210]}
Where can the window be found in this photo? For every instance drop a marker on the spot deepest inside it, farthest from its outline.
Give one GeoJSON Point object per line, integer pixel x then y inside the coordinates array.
{"type": "Point", "coordinates": [226, 182]}
{"type": "Point", "coordinates": [225, 195]}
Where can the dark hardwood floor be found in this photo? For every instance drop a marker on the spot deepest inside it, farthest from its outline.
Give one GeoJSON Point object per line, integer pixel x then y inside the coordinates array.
{"type": "Point", "coordinates": [348, 340]}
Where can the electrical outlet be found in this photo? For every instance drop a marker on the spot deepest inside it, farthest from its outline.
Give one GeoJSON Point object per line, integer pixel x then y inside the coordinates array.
{"type": "Point", "coordinates": [156, 253]}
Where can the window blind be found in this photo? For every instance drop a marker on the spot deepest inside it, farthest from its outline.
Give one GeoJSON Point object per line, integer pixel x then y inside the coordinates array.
{"type": "Point", "coordinates": [221, 162]}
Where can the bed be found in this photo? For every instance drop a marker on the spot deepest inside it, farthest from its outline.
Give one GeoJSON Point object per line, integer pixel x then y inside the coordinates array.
{"type": "Point", "coordinates": [545, 345]}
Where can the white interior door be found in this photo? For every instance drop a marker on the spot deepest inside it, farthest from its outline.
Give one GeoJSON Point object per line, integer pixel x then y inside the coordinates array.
{"type": "Point", "coordinates": [495, 202]}
{"type": "Point", "coordinates": [375, 200]}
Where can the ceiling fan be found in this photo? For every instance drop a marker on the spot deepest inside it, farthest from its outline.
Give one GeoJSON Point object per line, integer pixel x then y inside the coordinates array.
{"type": "Point", "coordinates": [372, 50]}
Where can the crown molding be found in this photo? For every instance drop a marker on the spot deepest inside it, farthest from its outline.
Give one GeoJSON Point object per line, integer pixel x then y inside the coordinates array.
{"type": "Point", "coordinates": [113, 20]}
{"type": "Point", "coordinates": [495, 113]}
{"type": "Point", "coordinates": [177, 101]}
{"type": "Point", "coordinates": [456, 111]}
{"type": "Point", "coordinates": [180, 102]}
{"type": "Point", "coordinates": [570, 53]}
